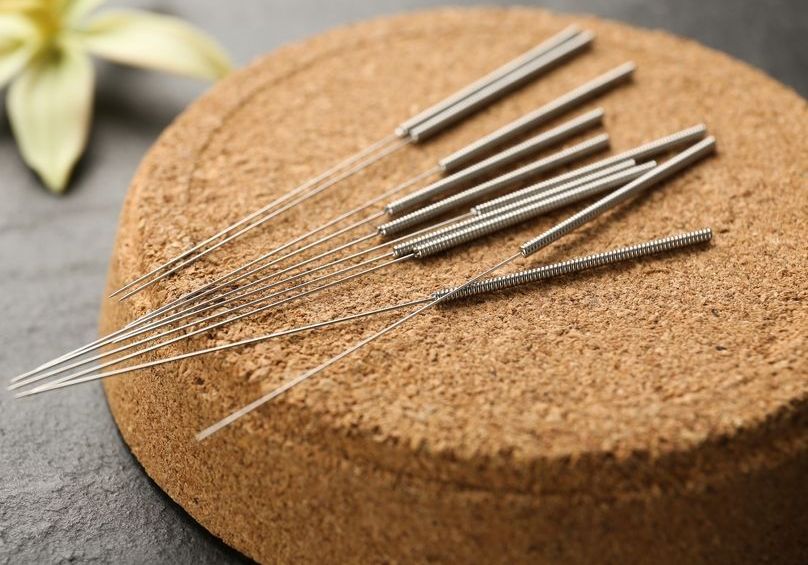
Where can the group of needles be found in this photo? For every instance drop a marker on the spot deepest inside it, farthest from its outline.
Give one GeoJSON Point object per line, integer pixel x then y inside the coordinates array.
{"type": "Point", "coordinates": [501, 180]}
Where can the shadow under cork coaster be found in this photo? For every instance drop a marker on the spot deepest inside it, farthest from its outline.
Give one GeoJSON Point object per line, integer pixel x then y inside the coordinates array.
{"type": "Point", "coordinates": [650, 413]}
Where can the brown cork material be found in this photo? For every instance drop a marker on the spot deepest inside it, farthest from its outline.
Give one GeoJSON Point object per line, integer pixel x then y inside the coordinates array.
{"type": "Point", "coordinates": [655, 412]}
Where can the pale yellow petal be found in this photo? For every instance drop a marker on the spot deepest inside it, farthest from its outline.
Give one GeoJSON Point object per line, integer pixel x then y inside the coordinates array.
{"type": "Point", "coordinates": [12, 62]}
{"type": "Point", "coordinates": [15, 27]}
{"type": "Point", "coordinates": [50, 108]}
{"type": "Point", "coordinates": [18, 41]}
{"type": "Point", "coordinates": [20, 5]}
{"type": "Point", "coordinates": [74, 10]}
{"type": "Point", "coordinates": [156, 42]}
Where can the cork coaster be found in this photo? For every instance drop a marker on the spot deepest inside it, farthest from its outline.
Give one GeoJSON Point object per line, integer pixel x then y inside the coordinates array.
{"type": "Point", "coordinates": [651, 412]}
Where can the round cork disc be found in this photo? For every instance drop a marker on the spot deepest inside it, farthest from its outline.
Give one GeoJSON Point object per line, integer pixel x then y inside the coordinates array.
{"type": "Point", "coordinates": [651, 412]}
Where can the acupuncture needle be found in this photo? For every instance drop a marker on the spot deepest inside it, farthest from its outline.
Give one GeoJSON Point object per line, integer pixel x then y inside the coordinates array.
{"type": "Point", "coordinates": [649, 149]}
{"type": "Point", "coordinates": [502, 159]}
{"type": "Point", "coordinates": [528, 248]}
{"type": "Point", "coordinates": [389, 259]}
{"type": "Point", "coordinates": [663, 171]}
{"type": "Point", "coordinates": [646, 167]}
{"type": "Point", "coordinates": [533, 208]}
{"type": "Point", "coordinates": [656, 175]}
{"type": "Point", "coordinates": [571, 266]}
{"type": "Point", "coordinates": [458, 162]}
{"type": "Point", "coordinates": [401, 132]}
{"type": "Point", "coordinates": [583, 191]}
{"type": "Point", "coordinates": [510, 77]}
{"type": "Point", "coordinates": [557, 107]}
{"type": "Point", "coordinates": [129, 332]}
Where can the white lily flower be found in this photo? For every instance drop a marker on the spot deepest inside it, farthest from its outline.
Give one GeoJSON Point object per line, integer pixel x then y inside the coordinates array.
{"type": "Point", "coordinates": [45, 48]}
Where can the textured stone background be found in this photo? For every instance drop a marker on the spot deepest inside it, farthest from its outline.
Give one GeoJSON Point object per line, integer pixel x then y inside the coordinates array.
{"type": "Point", "coordinates": [69, 489]}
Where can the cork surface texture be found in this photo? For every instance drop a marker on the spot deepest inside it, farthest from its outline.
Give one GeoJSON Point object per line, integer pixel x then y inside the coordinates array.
{"type": "Point", "coordinates": [657, 409]}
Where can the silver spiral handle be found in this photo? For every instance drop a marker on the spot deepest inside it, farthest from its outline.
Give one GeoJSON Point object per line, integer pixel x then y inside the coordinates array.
{"type": "Point", "coordinates": [576, 265]}
{"type": "Point", "coordinates": [532, 170]}
{"type": "Point", "coordinates": [655, 176]}
{"type": "Point", "coordinates": [522, 211]}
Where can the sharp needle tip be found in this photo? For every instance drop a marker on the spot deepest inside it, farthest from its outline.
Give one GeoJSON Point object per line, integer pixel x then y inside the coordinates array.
{"type": "Point", "coordinates": [206, 433]}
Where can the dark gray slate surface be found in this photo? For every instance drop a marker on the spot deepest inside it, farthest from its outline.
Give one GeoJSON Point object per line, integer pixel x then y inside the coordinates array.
{"type": "Point", "coordinates": [69, 489]}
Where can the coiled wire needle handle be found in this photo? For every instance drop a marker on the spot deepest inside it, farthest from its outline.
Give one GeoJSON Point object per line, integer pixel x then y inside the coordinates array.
{"type": "Point", "coordinates": [575, 265]}
{"type": "Point", "coordinates": [472, 152]}
{"type": "Point", "coordinates": [521, 211]}
{"type": "Point", "coordinates": [578, 264]}
{"type": "Point", "coordinates": [501, 87]}
{"type": "Point", "coordinates": [523, 174]}
{"type": "Point", "coordinates": [403, 130]}
{"type": "Point", "coordinates": [498, 220]}
{"type": "Point", "coordinates": [644, 151]}
{"type": "Point", "coordinates": [473, 287]}
{"type": "Point", "coordinates": [649, 150]}
{"type": "Point", "coordinates": [485, 91]}
{"type": "Point", "coordinates": [667, 169]}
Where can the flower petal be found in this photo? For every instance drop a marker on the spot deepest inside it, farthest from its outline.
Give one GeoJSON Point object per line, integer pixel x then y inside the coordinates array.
{"type": "Point", "coordinates": [50, 106]}
{"type": "Point", "coordinates": [74, 10]}
{"type": "Point", "coordinates": [20, 5]}
{"type": "Point", "coordinates": [18, 41]}
{"type": "Point", "coordinates": [12, 61]}
{"type": "Point", "coordinates": [157, 42]}
{"type": "Point", "coordinates": [14, 26]}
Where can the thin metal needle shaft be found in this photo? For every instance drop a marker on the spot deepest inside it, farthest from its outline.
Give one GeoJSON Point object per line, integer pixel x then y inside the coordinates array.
{"type": "Point", "coordinates": [362, 165]}
{"type": "Point", "coordinates": [223, 347]}
{"type": "Point", "coordinates": [214, 284]}
{"type": "Point", "coordinates": [318, 268]}
{"type": "Point", "coordinates": [223, 282]}
{"type": "Point", "coordinates": [221, 323]}
{"type": "Point", "coordinates": [575, 265]}
{"type": "Point", "coordinates": [670, 167]}
{"type": "Point", "coordinates": [79, 351]}
{"type": "Point", "coordinates": [327, 253]}
{"type": "Point", "coordinates": [207, 432]}
{"type": "Point", "coordinates": [257, 301]}
{"type": "Point", "coordinates": [240, 293]}
{"type": "Point", "coordinates": [387, 140]}
{"type": "Point", "coordinates": [177, 317]}
{"type": "Point", "coordinates": [111, 338]}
